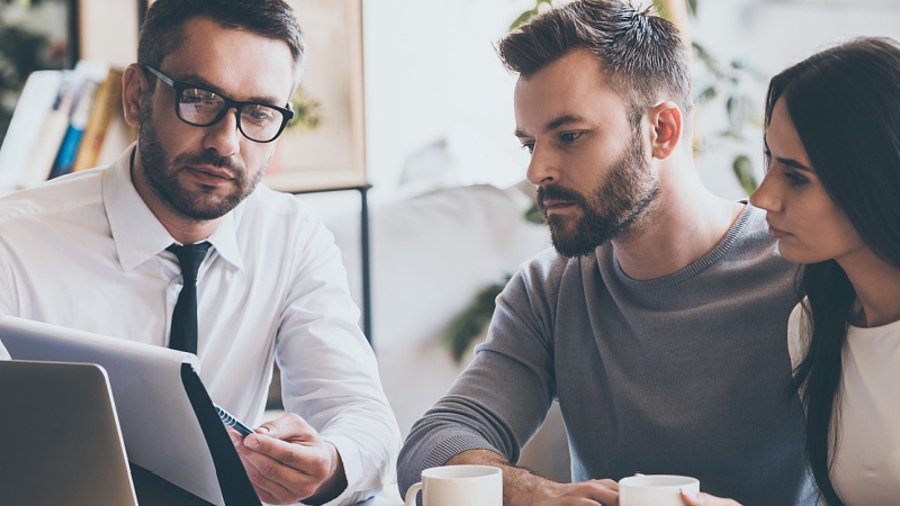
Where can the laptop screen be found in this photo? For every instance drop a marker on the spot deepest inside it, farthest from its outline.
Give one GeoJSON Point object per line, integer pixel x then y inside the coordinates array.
{"type": "Point", "coordinates": [62, 441]}
{"type": "Point", "coordinates": [168, 421]}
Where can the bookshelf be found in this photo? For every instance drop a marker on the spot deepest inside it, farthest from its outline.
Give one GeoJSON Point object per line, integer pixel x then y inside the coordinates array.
{"type": "Point", "coordinates": [64, 121]}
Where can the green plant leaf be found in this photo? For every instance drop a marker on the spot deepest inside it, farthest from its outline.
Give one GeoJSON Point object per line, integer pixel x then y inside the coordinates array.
{"type": "Point", "coordinates": [756, 119]}
{"type": "Point", "coordinates": [706, 95]}
{"type": "Point", "coordinates": [691, 7]}
{"type": "Point", "coordinates": [461, 332]}
{"type": "Point", "coordinates": [534, 215]}
{"type": "Point", "coordinates": [307, 111]}
{"type": "Point", "coordinates": [746, 66]}
{"type": "Point", "coordinates": [743, 171]}
{"type": "Point", "coordinates": [661, 9]}
{"type": "Point", "coordinates": [523, 18]}
{"type": "Point", "coordinates": [530, 13]}
{"type": "Point", "coordinates": [708, 60]}
{"type": "Point", "coordinates": [735, 106]}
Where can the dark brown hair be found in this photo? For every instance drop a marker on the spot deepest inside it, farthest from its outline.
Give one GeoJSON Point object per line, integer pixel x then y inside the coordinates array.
{"type": "Point", "coordinates": [161, 32]}
{"type": "Point", "coordinates": [844, 103]}
{"type": "Point", "coordinates": [643, 54]}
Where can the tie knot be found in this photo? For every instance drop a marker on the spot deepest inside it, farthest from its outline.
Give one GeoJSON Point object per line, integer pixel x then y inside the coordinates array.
{"type": "Point", "coordinates": [189, 257]}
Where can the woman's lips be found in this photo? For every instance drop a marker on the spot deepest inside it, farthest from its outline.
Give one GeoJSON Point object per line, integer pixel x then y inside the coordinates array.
{"type": "Point", "coordinates": [777, 232]}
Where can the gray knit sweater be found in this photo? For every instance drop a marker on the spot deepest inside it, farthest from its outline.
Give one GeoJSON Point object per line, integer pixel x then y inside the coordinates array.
{"type": "Point", "coordinates": [684, 374]}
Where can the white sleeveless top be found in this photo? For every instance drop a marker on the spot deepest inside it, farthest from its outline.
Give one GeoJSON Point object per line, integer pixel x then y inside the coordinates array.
{"type": "Point", "coordinates": [866, 460]}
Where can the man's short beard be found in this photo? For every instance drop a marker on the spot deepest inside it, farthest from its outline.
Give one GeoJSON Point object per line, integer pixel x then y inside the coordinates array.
{"type": "Point", "coordinates": [613, 207]}
{"type": "Point", "coordinates": [162, 176]}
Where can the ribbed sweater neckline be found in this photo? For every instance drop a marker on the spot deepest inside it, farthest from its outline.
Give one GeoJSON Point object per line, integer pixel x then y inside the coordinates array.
{"type": "Point", "coordinates": [743, 222]}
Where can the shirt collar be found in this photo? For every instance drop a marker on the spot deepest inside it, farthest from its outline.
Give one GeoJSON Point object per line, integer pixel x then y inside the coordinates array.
{"type": "Point", "coordinates": [137, 234]}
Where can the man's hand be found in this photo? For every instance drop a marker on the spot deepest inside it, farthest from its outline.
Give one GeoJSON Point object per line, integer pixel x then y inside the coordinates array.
{"type": "Point", "coordinates": [521, 487]}
{"type": "Point", "coordinates": [288, 462]}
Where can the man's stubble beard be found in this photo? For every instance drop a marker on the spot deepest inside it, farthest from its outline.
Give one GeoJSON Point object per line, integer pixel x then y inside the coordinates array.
{"type": "Point", "coordinates": [624, 196]}
{"type": "Point", "coordinates": [162, 176]}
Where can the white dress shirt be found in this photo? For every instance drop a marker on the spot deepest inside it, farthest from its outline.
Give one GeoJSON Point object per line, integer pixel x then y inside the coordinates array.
{"type": "Point", "coordinates": [84, 251]}
{"type": "Point", "coordinates": [865, 466]}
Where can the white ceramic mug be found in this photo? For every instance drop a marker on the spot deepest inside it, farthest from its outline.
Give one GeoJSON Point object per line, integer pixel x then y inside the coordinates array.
{"type": "Point", "coordinates": [655, 489]}
{"type": "Point", "coordinates": [470, 485]}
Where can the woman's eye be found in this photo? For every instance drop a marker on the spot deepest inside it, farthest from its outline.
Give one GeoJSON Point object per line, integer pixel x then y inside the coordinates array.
{"type": "Point", "coordinates": [795, 179]}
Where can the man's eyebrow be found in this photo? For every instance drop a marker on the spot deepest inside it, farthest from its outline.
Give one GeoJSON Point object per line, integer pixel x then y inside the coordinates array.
{"type": "Point", "coordinates": [562, 121]}
{"type": "Point", "coordinates": [555, 123]}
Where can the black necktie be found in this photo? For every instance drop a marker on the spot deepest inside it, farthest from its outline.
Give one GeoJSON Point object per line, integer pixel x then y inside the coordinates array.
{"type": "Point", "coordinates": [184, 319]}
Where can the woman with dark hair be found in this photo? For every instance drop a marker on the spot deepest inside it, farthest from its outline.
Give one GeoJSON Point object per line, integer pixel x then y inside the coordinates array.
{"type": "Point", "coordinates": [830, 192]}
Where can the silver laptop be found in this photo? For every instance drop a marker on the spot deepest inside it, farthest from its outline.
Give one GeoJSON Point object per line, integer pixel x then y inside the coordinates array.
{"type": "Point", "coordinates": [168, 420]}
{"type": "Point", "coordinates": [62, 443]}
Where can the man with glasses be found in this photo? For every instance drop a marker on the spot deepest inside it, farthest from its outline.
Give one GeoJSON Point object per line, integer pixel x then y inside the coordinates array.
{"type": "Point", "coordinates": [176, 244]}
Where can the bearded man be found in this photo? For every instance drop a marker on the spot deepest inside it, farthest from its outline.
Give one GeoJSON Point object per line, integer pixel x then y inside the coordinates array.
{"type": "Point", "coordinates": [658, 323]}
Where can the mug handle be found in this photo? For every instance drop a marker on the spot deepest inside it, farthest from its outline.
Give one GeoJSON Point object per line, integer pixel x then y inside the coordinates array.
{"type": "Point", "coordinates": [411, 493]}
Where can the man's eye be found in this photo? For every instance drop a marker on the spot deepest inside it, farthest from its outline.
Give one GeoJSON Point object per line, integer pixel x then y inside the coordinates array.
{"type": "Point", "coordinates": [568, 137]}
{"type": "Point", "coordinates": [259, 113]}
{"type": "Point", "coordinates": [528, 146]}
{"type": "Point", "coordinates": [194, 96]}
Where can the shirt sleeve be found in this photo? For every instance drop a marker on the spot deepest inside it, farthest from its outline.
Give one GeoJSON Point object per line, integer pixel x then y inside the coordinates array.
{"type": "Point", "coordinates": [6, 294]}
{"type": "Point", "coordinates": [328, 369]}
{"type": "Point", "coordinates": [798, 334]}
{"type": "Point", "coordinates": [502, 397]}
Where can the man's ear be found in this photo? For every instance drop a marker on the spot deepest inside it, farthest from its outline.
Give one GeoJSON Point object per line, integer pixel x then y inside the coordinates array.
{"type": "Point", "coordinates": [666, 126]}
{"type": "Point", "coordinates": [134, 92]}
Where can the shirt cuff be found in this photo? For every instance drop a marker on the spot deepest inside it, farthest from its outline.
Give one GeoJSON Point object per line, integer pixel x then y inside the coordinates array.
{"type": "Point", "coordinates": [353, 470]}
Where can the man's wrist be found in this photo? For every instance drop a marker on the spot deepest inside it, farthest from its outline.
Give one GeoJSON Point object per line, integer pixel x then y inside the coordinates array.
{"type": "Point", "coordinates": [336, 482]}
{"type": "Point", "coordinates": [520, 486]}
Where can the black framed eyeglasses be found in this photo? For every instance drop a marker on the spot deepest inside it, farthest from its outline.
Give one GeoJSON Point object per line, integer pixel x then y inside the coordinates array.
{"type": "Point", "coordinates": [199, 106]}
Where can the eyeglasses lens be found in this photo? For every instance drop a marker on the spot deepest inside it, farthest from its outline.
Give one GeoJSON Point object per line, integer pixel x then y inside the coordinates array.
{"type": "Point", "coordinates": [202, 108]}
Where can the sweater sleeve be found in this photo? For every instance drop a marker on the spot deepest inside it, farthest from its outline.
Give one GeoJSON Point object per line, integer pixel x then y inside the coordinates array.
{"type": "Point", "coordinates": [500, 400]}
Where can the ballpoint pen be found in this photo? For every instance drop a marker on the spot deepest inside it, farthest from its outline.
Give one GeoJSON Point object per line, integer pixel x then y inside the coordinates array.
{"type": "Point", "coordinates": [233, 422]}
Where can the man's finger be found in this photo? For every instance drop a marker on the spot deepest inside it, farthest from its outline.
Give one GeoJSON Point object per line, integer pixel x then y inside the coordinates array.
{"type": "Point", "coordinates": [275, 478]}
{"type": "Point", "coordinates": [266, 488]}
{"type": "Point", "coordinates": [289, 427]}
{"type": "Point", "coordinates": [309, 459]}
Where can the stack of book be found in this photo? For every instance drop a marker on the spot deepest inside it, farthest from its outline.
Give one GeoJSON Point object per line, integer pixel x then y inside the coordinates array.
{"type": "Point", "coordinates": [64, 121]}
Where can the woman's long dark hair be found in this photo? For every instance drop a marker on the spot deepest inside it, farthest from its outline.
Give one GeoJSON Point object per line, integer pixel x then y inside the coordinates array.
{"type": "Point", "coordinates": [845, 105]}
